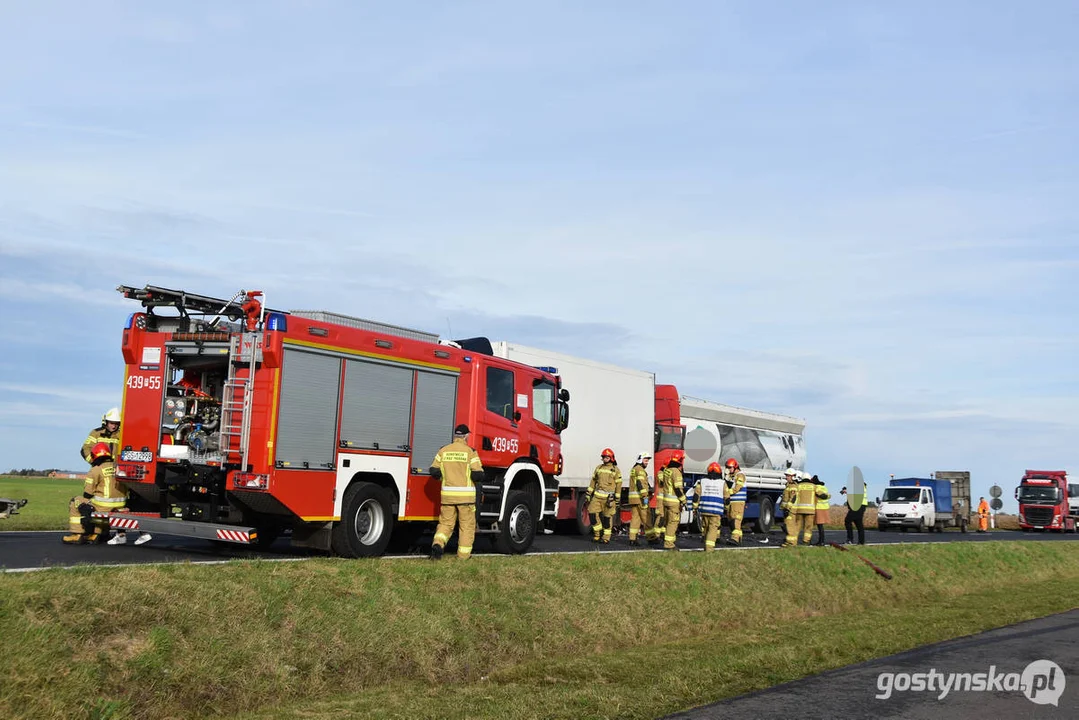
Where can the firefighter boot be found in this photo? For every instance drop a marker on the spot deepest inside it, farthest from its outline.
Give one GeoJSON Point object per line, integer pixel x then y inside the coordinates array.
{"type": "Point", "coordinates": [74, 539]}
{"type": "Point", "coordinates": [436, 552]}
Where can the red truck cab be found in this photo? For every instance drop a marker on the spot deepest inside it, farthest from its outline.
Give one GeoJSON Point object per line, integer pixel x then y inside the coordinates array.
{"type": "Point", "coordinates": [1043, 501]}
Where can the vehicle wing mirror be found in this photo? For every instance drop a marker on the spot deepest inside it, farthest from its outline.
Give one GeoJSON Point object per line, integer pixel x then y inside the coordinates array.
{"type": "Point", "coordinates": [563, 395]}
{"type": "Point", "coordinates": [517, 416]}
{"type": "Point", "coordinates": [878, 501]}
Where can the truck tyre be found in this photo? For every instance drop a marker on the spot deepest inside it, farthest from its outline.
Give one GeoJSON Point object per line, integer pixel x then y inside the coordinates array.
{"type": "Point", "coordinates": [584, 522]}
{"type": "Point", "coordinates": [963, 526]}
{"type": "Point", "coordinates": [765, 518]}
{"type": "Point", "coordinates": [366, 523]}
{"type": "Point", "coordinates": [517, 529]}
{"type": "Point", "coordinates": [921, 525]}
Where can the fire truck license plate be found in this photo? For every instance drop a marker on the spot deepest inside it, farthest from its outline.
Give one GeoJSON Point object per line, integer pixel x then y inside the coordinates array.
{"type": "Point", "coordinates": [137, 456]}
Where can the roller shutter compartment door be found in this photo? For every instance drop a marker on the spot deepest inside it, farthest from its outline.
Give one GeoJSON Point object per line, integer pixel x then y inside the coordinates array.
{"type": "Point", "coordinates": [307, 421]}
{"type": "Point", "coordinates": [436, 400]}
{"type": "Point", "coordinates": [377, 406]}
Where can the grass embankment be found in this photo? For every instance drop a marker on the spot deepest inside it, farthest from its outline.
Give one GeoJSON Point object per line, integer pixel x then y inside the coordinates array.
{"type": "Point", "coordinates": [632, 635]}
{"type": "Point", "coordinates": [48, 500]}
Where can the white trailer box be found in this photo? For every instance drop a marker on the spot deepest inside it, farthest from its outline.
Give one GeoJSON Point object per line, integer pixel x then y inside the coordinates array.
{"type": "Point", "coordinates": [609, 406]}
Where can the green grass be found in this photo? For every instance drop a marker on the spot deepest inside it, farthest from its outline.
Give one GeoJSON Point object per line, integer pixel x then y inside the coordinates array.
{"type": "Point", "coordinates": [580, 636]}
{"type": "Point", "coordinates": [48, 500]}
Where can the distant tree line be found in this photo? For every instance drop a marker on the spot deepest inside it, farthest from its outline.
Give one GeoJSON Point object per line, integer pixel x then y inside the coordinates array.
{"type": "Point", "coordinates": [33, 472]}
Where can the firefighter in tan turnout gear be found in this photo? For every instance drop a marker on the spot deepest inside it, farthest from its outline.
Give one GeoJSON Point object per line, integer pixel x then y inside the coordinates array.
{"type": "Point", "coordinates": [108, 433]}
{"type": "Point", "coordinates": [734, 493]}
{"type": "Point", "coordinates": [709, 504]}
{"type": "Point", "coordinates": [639, 493]}
{"type": "Point", "coordinates": [602, 496]}
{"type": "Point", "coordinates": [790, 497]}
{"type": "Point", "coordinates": [674, 498]}
{"type": "Point", "coordinates": [101, 491]}
{"type": "Point", "coordinates": [805, 507]}
{"type": "Point", "coordinates": [458, 467]}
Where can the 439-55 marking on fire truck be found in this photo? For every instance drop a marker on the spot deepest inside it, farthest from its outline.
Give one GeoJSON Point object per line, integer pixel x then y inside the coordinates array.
{"type": "Point", "coordinates": [144, 382]}
{"type": "Point", "coordinates": [502, 444]}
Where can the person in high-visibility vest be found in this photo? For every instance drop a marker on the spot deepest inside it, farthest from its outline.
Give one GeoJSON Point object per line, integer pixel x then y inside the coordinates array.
{"type": "Point", "coordinates": [709, 504]}
{"type": "Point", "coordinates": [602, 496]}
{"type": "Point", "coordinates": [674, 499]}
{"type": "Point", "coordinates": [734, 494]}
{"type": "Point", "coordinates": [983, 515]}
{"type": "Point", "coordinates": [639, 492]}
{"type": "Point", "coordinates": [790, 496]}
{"type": "Point", "coordinates": [823, 509]}
{"type": "Point", "coordinates": [108, 433]}
{"type": "Point", "coordinates": [459, 468]}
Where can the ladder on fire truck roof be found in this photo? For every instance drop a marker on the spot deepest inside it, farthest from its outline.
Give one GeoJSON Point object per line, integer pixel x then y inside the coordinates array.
{"type": "Point", "coordinates": [236, 398]}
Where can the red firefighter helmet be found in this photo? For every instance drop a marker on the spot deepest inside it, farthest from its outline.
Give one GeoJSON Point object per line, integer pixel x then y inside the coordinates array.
{"type": "Point", "coordinates": [100, 450]}
{"type": "Point", "coordinates": [715, 468]}
{"type": "Point", "coordinates": [678, 456]}
{"type": "Point", "coordinates": [732, 463]}
{"type": "Point", "coordinates": [607, 453]}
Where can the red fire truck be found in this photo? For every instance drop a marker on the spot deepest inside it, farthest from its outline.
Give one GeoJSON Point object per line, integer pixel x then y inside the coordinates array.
{"type": "Point", "coordinates": [241, 423]}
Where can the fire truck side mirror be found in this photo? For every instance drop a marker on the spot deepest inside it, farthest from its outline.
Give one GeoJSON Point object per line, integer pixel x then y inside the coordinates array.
{"type": "Point", "coordinates": [563, 417]}
{"type": "Point", "coordinates": [517, 416]}
{"type": "Point", "coordinates": [563, 395]}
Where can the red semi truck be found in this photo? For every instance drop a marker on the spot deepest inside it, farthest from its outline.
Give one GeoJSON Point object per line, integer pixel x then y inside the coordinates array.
{"type": "Point", "coordinates": [241, 423]}
{"type": "Point", "coordinates": [1043, 501]}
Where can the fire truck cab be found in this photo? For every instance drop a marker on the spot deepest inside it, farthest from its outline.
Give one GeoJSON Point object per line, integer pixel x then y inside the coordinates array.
{"type": "Point", "coordinates": [242, 423]}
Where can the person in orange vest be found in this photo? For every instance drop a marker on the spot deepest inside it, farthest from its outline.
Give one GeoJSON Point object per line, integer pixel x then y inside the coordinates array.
{"type": "Point", "coordinates": [458, 466]}
{"type": "Point", "coordinates": [983, 515]}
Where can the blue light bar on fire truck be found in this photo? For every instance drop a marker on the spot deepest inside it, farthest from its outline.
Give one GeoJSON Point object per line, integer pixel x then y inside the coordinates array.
{"type": "Point", "coordinates": [548, 369]}
{"type": "Point", "coordinates": [276, 321]}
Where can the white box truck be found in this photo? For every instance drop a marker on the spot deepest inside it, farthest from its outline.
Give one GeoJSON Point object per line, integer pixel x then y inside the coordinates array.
{"type": "Point", "coordinates": [610, 406]}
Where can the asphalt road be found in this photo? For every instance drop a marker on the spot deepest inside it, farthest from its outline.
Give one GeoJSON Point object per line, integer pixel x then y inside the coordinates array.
{"type": "Point", "coordinates": [32, 550]}
{"type": "Point", "coordinates": [888, 687]}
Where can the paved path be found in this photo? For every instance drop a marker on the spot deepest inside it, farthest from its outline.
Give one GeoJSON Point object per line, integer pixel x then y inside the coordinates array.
{"type": "Point", "coordinates": [30, 550]}
{"type": "Point", "coordinates": [851, 692]}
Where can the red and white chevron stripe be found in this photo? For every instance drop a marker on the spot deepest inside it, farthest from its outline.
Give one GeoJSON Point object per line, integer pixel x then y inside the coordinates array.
{"type": "Point", "coordinates": [123, 523]}
{"type": "Point", "coordinates": [234, 536]}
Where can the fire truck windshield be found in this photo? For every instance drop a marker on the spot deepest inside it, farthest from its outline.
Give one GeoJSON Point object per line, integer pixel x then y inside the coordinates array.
{"type": "Point", "coordinates": [669, 437]}
{"type": "Point", "coordinates": [1039, 494]}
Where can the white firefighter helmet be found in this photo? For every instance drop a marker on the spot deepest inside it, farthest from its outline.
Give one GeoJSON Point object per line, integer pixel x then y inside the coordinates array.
{"type": "Point", "coordinates": [644, 456]}
{"type": "Point", "coordinates": [791, 472]}
{"type": "Point", "coordinates": [113, 415]}
{"type": "Point", "coordinates": [806, 476]}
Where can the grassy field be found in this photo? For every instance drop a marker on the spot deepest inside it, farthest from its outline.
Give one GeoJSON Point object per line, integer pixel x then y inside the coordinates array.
{"type": "Point", "coordinates": [838, 512]}
{"type": "Point", "coordinates": [631, 635]}
{"type": "Point", "coordinates": [47, 506]}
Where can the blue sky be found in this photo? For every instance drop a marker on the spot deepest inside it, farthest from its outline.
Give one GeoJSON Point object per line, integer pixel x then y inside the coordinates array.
{"type": "Point", "coordinates": [862, 214]}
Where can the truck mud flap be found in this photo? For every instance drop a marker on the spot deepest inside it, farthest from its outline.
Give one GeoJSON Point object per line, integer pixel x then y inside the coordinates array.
{"type": "Point", "coordinates": [182, 528]}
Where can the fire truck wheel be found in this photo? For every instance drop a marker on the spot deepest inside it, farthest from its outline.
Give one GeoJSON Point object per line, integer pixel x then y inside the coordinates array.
{"type": "Point", "coordinates": [584, 520]}
{"type": "Point", "coordinates": [518, 529]}
{"type": "Point", "coordinates": [366, 522]}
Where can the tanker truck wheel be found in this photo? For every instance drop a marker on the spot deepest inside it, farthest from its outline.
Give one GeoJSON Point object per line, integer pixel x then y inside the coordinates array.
{"type": "Point", "coordinates": [518, 527]}
{"type": "Point", "coordinates": [366, 522]}
{"type": "Point", "coordinates": [765, 518]}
